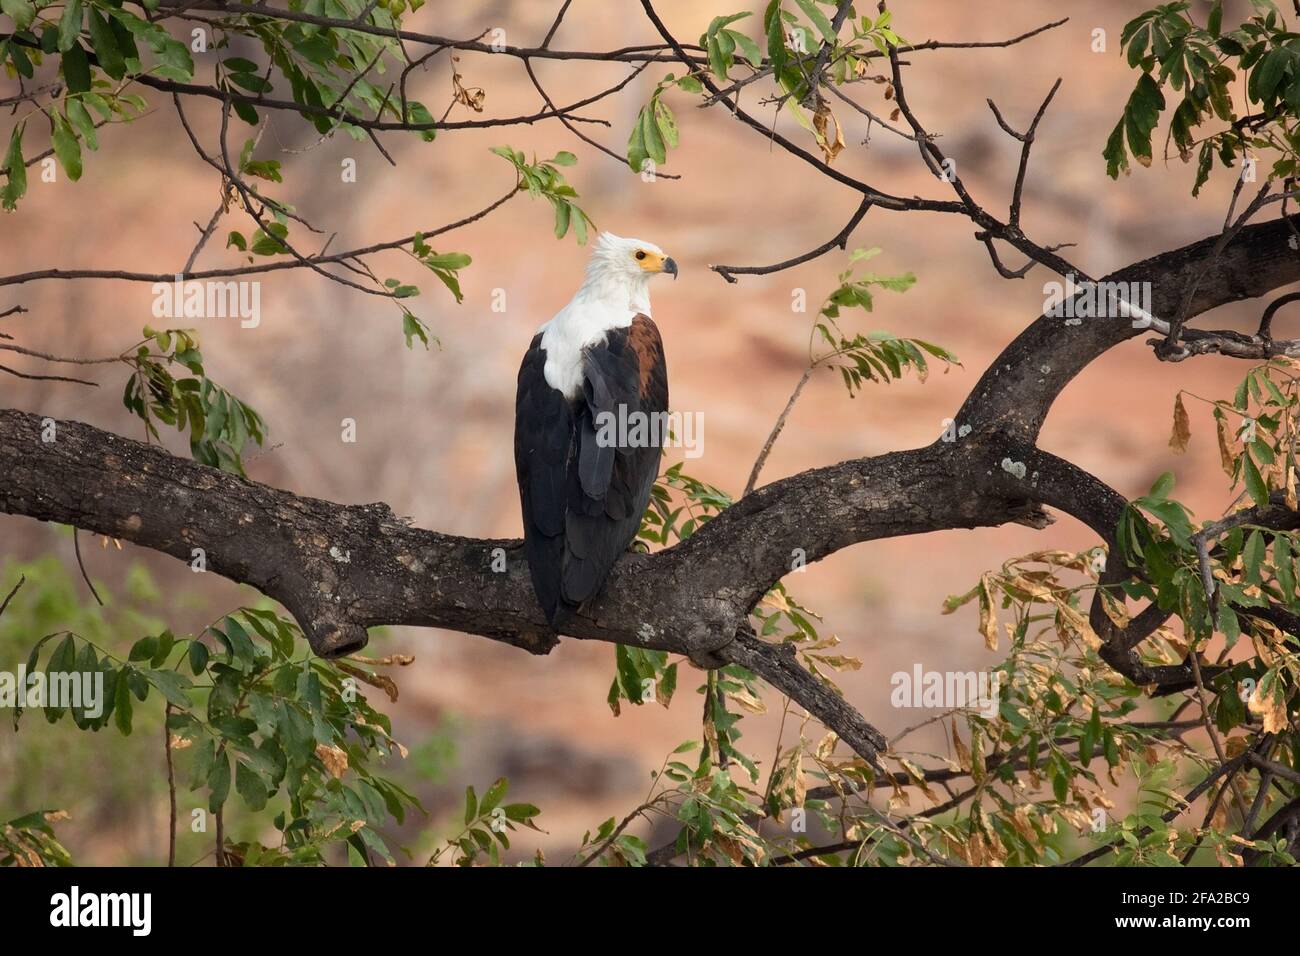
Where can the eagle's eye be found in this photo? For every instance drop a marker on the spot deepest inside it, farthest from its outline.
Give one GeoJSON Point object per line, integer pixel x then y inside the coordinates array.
{"type": "Point", "coordinates": [640, 254]}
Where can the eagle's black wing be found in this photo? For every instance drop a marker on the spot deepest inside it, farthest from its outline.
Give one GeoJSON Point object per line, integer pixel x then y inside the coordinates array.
{"type": "Point", "coordinates": [543, 440]}
{"type": "Point", "coordinates": [609, 484]}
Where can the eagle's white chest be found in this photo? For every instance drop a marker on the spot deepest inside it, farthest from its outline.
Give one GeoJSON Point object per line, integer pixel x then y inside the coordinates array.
{"type": "Point", "coordinates": [584, 322]}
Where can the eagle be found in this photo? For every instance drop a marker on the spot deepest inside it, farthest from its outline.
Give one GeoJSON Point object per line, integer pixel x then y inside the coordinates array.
{"type": "Point", "coordinates": [585, 470]}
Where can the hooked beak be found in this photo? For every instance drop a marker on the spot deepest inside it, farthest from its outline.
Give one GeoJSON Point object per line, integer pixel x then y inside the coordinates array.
{"type": "Point", "coordinates": [670, 267]}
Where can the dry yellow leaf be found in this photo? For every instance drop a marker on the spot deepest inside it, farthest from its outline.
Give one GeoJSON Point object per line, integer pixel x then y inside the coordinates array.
{"type": "Point", "coordinates": [829, 135]}
{"type": "Point", "coordinates": [1225, 445]}
{"type": "Point", "coordinates": [1076, 623]}
{"type": "Point", "coordinates": [988, 619]}
{"type": "Point", "coordinates": [963, 755]}
{"type": "Point", "coordinates": [383, 682]}
{"type": "Point", "coordinates": [401, 660]}
{"type": "Point", "coordinates": [826, 747]}
{"type": "Point", "coordinates": [747, 701]}
{"type": "Point", "coordinates": [335, 760]}
{"type": "Point", "coordinates": [775, 598]}
{"type": "Point", "coordinates": [1271, 708]}
{"type": "Point", "coordinates": [1182, 433]}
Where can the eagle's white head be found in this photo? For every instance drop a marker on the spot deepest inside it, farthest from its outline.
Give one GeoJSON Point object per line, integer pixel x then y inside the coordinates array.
{"type": "Point", "coordinates": [612, 294]}
{"type": "Point", "coordinates": [630, 262]}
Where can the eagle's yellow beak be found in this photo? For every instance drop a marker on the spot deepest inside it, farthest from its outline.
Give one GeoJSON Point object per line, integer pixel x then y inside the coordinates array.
{"type": "Point", "coordinates": [655, 263]}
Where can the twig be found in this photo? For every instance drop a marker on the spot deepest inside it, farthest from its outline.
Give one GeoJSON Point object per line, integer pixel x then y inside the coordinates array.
{"type": "Point", "coordinates": [252, 269]}
{"type": "Point", "coordinates": [776, 431]}
{"type": "Point", "coordinates": [840, 240]}
{"type": "Point", "coordinates": [76, 547]}
{"type": "Point", "coordinates": [204, 236]}
{"type": "Point", "coordinates": [1027, 138]}
{"type": "Point", "coordinates": [22, 579]}
{"type": "Point", "coordinates": [47, 378]}
{"type": "Point", "coordinates": [171, 787]}
{"type": "Point", "coordinates": [1171, 345]}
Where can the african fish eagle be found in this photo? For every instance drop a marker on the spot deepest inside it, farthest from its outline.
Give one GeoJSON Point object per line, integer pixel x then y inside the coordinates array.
{"type": "Point", "coordinates": [599, 361]}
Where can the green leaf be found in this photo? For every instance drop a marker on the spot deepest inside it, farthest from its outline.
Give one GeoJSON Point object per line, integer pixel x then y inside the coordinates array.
{"type": "Point", "coordinates": [819, 19]}
{"type": "Point", "coordinates": [653, 139]}
{"type": "Point", "coordinates": [637, 153]}
{"type": "Point", "coordinates": [1162, 486]}
{"type": "Point", "coordinates": [1228, 623]}
{"type": "Point", "coordinates": [666, 123]}
{"type": "Point", "coordinates": [106, 52]}
{"type": "Point", "coordinates": [1252, 557]}
{"type": "Point", "coordinates": [717, 58]}
{"type": "Point", "coordinates": [22, 11]}
{"type": "Point", "coordinates": [717, 23]}
{"type": "Point", "coordinates": [76, 69]}
{"type": "Point", "coordinates": [238, 64]}
{"type": "Point", "coordinates": [772, 23]}
{"type": "Point", "coordinates": [629, 675]}
{"type": "Point", "coordinates": [198, 656]}
{"type": "Point", "coordinates": [1254, 481]}
{"type": "Point", "coordinates": [747, 47]}
{"type": "Point", "coordinates": [1114, 153]}
{"type": "Point", "coordinates": [493, 796]}
{"type": "Point", "coordinates": [412, 329]}
{"type": "Point", "coordinates": [81, 119]}
{"type": "Point", "coordinates": [66, 147]}
{"type": "Point", "coordinates": [1283, 568]}
{"type": "Point", "coordinates": [18, 54]}
{"type": "Point", "coordinates": [143, 649]}
{"type": "Point", "coordinates": [521, 812]}
{"type": "Point", "coordinates": [174, 58]}
{"type": "Point", "coordinates": [122, 705]}
{"type": "Point", "coordinates": [1204, 165]}
{"type": "Point", "coordinates": [1269, 73]}
{"type": "Point", "coordinates": [1141, 116]}
{"type": "Point", "coordinates": [16, 184]}
{"type": "Point", "coordinates": [69, 25]}
{"type": "Point", "coordinates": [562, 210]}
{"type": "Point", "coordinates": [1215, 21]}
{"type": "Point", "coordinates": [173, 686]}
{"type": "Point", "coordinates": [250, 787]}
{"type": "Point", "coordinates": [448, 260]}
{"type": "Point", "coordinates": [62, 661]}
{"type": "Point", "coordinates": [219, 782]}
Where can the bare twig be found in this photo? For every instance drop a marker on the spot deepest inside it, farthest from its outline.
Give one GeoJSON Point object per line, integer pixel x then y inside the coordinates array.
{"type": "Point", "coordinates": [4, 605]}
{"type": "Point", "coordinates": [85, 576]}
{"type": "Point", "coordinates": [839, 240]}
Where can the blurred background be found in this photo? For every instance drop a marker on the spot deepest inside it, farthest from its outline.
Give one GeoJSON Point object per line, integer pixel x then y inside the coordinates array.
{"type": "Point", "coordinates": [434, 427]}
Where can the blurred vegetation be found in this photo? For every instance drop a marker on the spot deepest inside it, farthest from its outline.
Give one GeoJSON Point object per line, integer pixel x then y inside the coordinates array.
{"type": "Point", "coordinates": [218, 692]}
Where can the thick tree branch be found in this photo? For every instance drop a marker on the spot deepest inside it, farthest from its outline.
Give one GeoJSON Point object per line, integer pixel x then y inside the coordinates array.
{"type": "Point", "coordinates": [340, 569]}
{"type": "Point", "coordinates": [1018, 389]}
